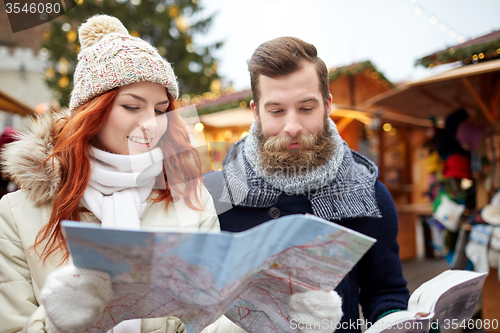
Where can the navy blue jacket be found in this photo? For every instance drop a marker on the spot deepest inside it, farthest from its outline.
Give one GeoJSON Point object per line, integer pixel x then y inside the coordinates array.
{"type": "Point", "coordinates": [376, 282]}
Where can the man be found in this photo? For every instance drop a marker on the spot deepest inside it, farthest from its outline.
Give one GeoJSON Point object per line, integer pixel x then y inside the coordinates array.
{"type": "Point", "coordinates": [294, 162]}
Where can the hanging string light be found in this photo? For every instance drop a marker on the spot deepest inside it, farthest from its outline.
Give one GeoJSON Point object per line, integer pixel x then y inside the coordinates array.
{"type": "Point", "coordinates": [419, 9]}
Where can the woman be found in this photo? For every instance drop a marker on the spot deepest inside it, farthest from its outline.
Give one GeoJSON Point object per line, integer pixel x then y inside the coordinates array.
{"type": "Point", "coordinates": [105, 161]}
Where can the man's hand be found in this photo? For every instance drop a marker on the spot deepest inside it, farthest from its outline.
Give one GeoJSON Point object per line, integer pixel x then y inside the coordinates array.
{"type": "Point", "coordinates": [310, 309]}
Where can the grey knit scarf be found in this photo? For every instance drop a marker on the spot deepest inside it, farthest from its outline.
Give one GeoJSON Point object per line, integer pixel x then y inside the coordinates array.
{"type": "Point", "coordinates": [298, 184]}
{"type": "Point", "coordinates": [344, 187]}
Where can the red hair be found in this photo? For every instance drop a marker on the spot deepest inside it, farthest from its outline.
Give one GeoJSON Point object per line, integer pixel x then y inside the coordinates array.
{"type": "Point", "coordinates": [72, 136]}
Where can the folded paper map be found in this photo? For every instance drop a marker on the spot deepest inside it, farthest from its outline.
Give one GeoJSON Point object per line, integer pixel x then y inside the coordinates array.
{"type": "Point", "coordinates": [198, 276]}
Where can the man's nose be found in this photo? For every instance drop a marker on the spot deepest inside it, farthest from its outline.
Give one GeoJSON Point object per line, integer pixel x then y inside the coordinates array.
{"type": "Point", "coordinates": [293, 127]}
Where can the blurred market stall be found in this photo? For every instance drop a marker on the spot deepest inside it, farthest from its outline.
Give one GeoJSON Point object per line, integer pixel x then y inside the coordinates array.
{"type": "Point", "coordinates": [462, 153]}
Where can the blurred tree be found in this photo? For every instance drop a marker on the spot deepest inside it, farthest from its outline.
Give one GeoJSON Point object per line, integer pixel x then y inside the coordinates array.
{"type": "Point", "coordinates": [170, 25]}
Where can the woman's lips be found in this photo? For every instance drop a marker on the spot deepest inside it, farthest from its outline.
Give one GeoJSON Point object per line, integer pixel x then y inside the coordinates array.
{"type": "Point", "coordinates": [140, 142]}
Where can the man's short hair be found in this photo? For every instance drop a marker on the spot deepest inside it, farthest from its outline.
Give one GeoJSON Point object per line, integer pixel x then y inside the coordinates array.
{"type": "Point", "coordinates": [283, 56]}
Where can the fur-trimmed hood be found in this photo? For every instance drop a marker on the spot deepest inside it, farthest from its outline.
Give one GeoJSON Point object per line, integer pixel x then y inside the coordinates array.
{"type": "Point", "coordinates": [22, 160]}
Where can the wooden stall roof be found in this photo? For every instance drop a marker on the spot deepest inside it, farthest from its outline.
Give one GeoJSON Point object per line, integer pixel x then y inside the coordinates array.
{"type": "Point", "coordinates": [487, 46]}
{"type": "Point", "coordinates": [442, 93]}
{"type": "Point", "coordinates": [10, 104]}
{"type": "Point", "coordinates": [366, 117]}
{"type": "Point", "coordinates": [224, 102]}
{"type": "Point", "coordinates": [228, 118]}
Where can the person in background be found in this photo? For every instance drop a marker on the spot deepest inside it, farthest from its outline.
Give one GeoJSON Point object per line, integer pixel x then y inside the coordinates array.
{"type": "Point", "coordinates": [294, 162]}
{"type": "Point", "coordinates": [9, 135]}
{"type": "Point", "coordinates": [105, 161]}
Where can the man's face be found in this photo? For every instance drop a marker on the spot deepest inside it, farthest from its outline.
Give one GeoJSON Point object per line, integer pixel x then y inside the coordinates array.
{"type": "Point", "coordinates": [291, 105]}
{"type": "Point", "coordinates": [292, 129]}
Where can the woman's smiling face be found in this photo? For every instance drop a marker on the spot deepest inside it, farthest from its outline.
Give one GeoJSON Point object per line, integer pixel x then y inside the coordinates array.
{"type": "Point", "coordinates": [137, 119]}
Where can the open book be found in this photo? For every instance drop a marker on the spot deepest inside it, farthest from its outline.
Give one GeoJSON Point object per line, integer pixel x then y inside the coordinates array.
{"type": "Point", "coordinates": [445, 300]}
{"type": "Point", "coordinates": [199, 276]}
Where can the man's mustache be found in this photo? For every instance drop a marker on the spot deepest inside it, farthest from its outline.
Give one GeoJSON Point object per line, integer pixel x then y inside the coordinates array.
{"type": "Point", "coordinates": [281, 143]}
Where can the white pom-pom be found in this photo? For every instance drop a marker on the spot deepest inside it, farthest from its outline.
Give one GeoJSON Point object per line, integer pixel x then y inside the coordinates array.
{"type": "Point", "coordinates": [97, 27]}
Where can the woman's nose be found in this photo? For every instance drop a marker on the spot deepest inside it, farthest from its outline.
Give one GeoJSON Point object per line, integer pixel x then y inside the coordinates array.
{"type": "Point", "coordinates": [150, 122]}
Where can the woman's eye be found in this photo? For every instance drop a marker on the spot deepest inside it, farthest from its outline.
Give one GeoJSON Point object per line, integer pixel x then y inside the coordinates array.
{"type": "Point", "coordinates": [160, 112]}
{"type": "Point", "coordinates": [130, 108]}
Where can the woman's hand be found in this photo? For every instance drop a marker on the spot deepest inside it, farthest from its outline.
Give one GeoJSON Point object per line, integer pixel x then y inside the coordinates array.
{"type": "Point", "coordinates": [73, 297]}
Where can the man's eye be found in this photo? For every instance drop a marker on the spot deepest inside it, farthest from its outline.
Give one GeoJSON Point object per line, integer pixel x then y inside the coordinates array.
{"type": "Point", "coordinates": [307, 109]}
{"type": "Point", "coordinates": [275, 111]}
{"type": "Point", "coordinates": [130, 108]}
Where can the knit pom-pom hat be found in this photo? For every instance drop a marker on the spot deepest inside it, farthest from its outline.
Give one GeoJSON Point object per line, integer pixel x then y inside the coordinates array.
{"type": "Point", "coordinates": [109, 58]}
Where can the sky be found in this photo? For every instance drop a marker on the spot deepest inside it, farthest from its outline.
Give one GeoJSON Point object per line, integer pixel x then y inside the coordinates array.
{"type": "Point", "coordinates": [389, 33]}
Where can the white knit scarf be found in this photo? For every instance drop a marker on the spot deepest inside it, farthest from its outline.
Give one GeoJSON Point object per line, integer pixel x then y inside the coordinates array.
{"type": "Point", "coordinates": [117, 195]}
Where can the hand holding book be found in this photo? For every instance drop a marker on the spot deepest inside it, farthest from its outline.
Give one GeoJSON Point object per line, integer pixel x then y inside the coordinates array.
{"type": "Point", "coordinates": [452, 295]}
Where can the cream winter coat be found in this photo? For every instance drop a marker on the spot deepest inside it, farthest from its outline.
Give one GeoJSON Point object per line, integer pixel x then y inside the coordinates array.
{"type": "Point", "coordinates": [23, 214]}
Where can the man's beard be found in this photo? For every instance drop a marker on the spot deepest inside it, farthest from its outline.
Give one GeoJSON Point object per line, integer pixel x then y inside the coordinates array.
{"type": "Point", "coordinates": [276, 158]}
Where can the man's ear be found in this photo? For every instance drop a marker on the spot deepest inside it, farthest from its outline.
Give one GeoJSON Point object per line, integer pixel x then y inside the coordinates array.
{"type": "Point", "coordinates": [329, 105]}
{"type": "Point", "coordinates": [254, 110]}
